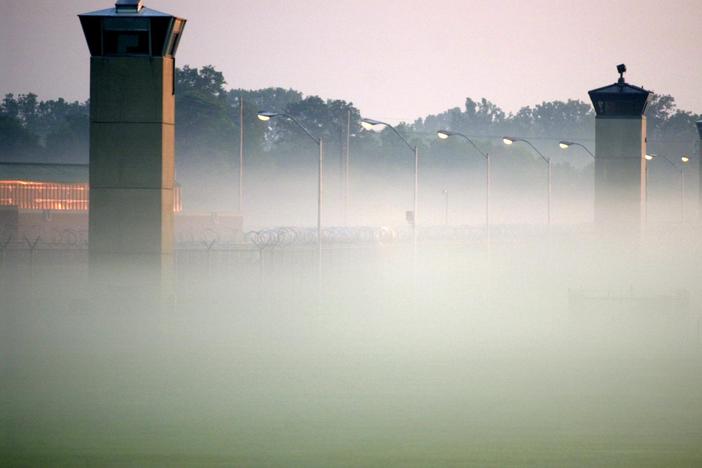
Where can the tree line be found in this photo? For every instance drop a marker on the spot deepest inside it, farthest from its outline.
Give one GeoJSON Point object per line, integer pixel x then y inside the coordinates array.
{"type": "Point", "coordinates": [207, 129]}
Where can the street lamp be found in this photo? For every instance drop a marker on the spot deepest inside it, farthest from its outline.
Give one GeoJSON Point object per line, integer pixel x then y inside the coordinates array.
{"type": "Point", "coordinates": [241, 154]}
{"type": "Point", "coordinates": [698, 124]}
{"type": "Point", "coordinates": [648, 157]}
{"type": "Point", "coordinates": [265, 116]}
{"type": "Point", "coordinates": [684, 159]}
{"type": "Point", "coordinates": [444, 135]}
{"type": "Point", "coordinates": [564, 145]}
{"type": "Point", "coordinates": [347, 166]}
{"type": "Point", "coordinates": [567, 144]}
{"type": "Point", "coordinates": [370, 124]}
{"type": "Point", "coordinates": [511, 140]}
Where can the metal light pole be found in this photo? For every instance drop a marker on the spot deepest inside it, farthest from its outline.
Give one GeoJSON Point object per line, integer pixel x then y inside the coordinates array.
{"type": "Point", "coordinates": [369, 124]}
{"type": "Point", "coordinates": [415, 199]}
{"type": "Point", "coordinates": [266, 116]}
{"type": "Point", "coordinates": [241, 152]}
{"type": "Point", "coordinates": [347, 166]}
{"type": "Point", "coordinates": [446, 205]}
{"type": "Point", "coordinates": [648, 158]}
{"type": "Point", "coordinates": [320, 192]}
{"type": "Point", "coordinates": [684, 159]}
{"type": "Point", "coordinates": [699, 144]}
{"type": "Point", "coordinates": [682, 194]}
{"type": "Point", "coordinates": [567, 144]}
{"type": "Point", "coordinates": [509, 141]}
{"type": "Point", "coordinates": [445, 134]}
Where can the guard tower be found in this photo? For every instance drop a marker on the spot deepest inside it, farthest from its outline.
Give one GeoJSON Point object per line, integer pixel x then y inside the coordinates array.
{"type": "Point", "coordinates": [620, 150]}
{"type": "Point", "coordinates": [132, 128]}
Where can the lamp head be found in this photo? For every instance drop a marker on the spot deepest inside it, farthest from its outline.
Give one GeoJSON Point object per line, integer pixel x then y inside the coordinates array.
{"type": "Point", "coordinates": [369, 124]}
{"type": "Point", "coordinates": [266, 116]}
{"type": "Point", "coordinates": [443, 134]}
{"type": "Point", "coordinates": [650, 157]}
{"type": "Point", "coordinates": [508, 140]}
{"type": "Point", "coordinates": [565, 144]}
{"type": "Point", "coordinates": [685, 159]}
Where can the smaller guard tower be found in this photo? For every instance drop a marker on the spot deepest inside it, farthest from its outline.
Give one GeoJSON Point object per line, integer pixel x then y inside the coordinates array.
{"type": "Point", "coordinates": [132, 128]}
{"type": "Point", "coordinates": [620, 150]}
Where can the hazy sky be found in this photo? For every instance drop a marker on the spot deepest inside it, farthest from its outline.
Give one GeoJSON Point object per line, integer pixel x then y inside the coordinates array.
{"type": "Point", "coordinates": [394, 59]}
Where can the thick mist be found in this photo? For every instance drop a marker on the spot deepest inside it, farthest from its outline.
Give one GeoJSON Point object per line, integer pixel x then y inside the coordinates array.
{"type": "Point", "coordinates": [543, 347]}
{"type": "Point", "coordinates": [493, 340]}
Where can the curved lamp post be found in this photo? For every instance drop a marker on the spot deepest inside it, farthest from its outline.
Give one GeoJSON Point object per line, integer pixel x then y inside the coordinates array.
{"type": "Point", "coordinates": [265, 116]}
{"type": "Point", "coordinates": [564, 145]}
{"type": "Point", "coordinates": [567, 144]}
{"type": "Point", "coordinates": [684, 159]}
{"type": "Point", "coordinates": [370, 124]}
{"type": "Point", "coordinates": [444, 135]}
{"type": "Point", "coordinates": [446, 204]}
{"type": "Point", "coordinates": [510, 140]}
{"type": "Point", "coordinates": [241, 154]}
{"type": "Point", "coordinates": [648, 158]}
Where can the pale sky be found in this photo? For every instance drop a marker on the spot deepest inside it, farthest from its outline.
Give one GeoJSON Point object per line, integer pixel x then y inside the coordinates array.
{"type": "Point", "coordinates": [394, 59]}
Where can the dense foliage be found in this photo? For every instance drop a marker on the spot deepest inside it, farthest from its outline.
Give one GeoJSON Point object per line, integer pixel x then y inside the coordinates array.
{"type": "Point", "coordinates": [208, 128]}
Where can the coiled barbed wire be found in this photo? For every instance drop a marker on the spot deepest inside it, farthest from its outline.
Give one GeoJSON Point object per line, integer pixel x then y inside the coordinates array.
{"type": "Point", "coordinates": [291, 235]}
{"type": "Point", "coordinates": [263, 239]}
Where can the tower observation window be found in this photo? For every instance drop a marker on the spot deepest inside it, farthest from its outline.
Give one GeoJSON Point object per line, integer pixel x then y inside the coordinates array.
{"type": "Point", "coordinates": [126, 43]}
{"type": "Point", "coordinates": [122, 36]}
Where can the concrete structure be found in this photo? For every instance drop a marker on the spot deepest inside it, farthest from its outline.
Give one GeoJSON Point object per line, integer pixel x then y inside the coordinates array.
{"type": "Point", "coordinates": [132, 128]}
{"type": "Point", "coordinates": [620, 150]}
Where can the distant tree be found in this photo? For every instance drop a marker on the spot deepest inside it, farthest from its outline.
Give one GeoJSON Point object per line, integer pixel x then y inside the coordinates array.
{"type": "Point", "coordinates": [483, 114]}
{"type": "Point", "coordinates": [670, 131]}
{"type": "Point", "coordinates": [69, 140]}
{"type": "Point", "coordinates": [660, 108]}
{"type": "Point", "coordinates": [205, 80]}
{"type": "Point", "coordinates": [476, 117]}
{"type": "Point", "coordinates": [54, 130]}
{"type": "Point", "coordinates": [555, 119]}
{"type": "Point", "coordinates": [207, 133]}
{"type": "Point", "coordinates": [325, 119]}
{"type": "Point", "coordinates": [10, 107]}
{"type": "Point", "coordinates": [205, 129]}
{"type": "Point", "coordinates": [16, 142]}
{"type": "Point", "coordinates": [53, 114]}
{"type": "Point", "coordinates": [258, 139]}
{"type": "Point", "coordinates": [267, 99]}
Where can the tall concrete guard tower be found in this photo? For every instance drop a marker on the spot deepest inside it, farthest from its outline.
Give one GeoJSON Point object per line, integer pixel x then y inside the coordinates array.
{"type": "Point", "coordinates": [132, 128]}
{"type": "Point", "coordinates": [620, 150]}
